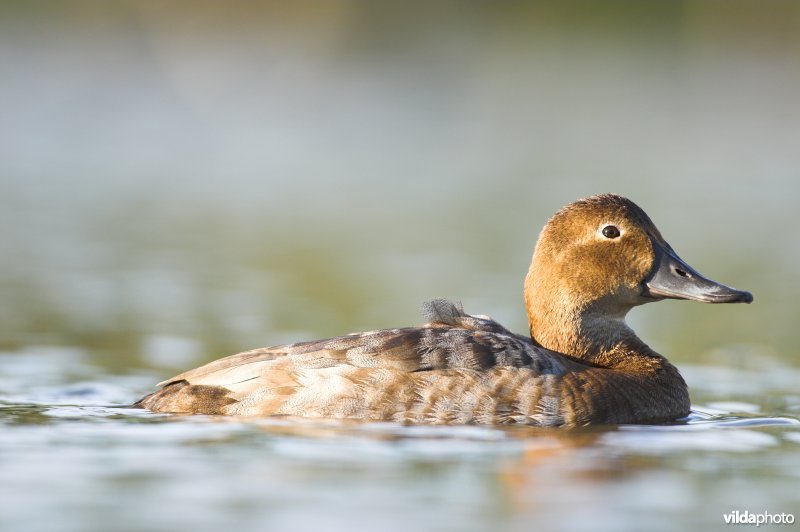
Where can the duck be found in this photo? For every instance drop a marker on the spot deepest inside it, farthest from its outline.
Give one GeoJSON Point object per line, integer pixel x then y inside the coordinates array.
{"type": "Point", "coordinates": [581, 364]}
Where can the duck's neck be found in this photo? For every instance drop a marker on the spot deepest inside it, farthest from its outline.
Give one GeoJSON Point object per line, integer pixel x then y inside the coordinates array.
{"type": "Point", "coordinates": [588, 331]}
{"type": "Point", "coordinates": [631, 383]}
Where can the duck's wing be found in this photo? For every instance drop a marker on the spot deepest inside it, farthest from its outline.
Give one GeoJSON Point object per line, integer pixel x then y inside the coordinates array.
{"type": "Point", "coordinates": [451, 340]}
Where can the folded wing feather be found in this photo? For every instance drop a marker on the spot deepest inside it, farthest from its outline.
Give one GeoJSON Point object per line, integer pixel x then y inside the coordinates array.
{"type": "Point", "coordinates": [385, 374]}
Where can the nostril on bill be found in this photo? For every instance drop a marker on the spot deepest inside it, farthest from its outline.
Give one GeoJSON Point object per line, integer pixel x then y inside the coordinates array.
{"type": "Point", "coordinates": [681, 273]}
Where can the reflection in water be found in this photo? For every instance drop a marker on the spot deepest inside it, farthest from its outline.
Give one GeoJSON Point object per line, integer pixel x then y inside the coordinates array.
{"type": "Point", "coordinates": [194, 471]}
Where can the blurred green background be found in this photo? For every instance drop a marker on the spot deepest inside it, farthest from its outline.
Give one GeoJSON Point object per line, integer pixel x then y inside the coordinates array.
{"type": "Point", "coordinates": [183, 180]}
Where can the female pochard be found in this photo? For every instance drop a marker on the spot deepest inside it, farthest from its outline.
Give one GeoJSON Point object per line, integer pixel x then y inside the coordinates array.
{"type": "Point", "coordinates": [595, 260]}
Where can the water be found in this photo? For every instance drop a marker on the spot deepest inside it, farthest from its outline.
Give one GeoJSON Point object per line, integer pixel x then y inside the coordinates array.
{"type": "Point", "coordinates": [76, 459]}
{"type": "Point", "coordinates": [183, 181]}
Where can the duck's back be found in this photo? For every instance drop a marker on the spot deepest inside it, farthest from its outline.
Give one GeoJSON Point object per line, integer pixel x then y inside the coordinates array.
{"type": "Point", "coordinates": [455, 369]}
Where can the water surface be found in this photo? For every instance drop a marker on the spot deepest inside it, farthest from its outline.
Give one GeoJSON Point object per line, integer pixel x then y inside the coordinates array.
{"type": "Point", "coordinates": [78, 459]}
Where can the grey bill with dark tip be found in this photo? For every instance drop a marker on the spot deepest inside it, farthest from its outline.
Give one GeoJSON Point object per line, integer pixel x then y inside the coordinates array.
{"type": "Point", "coordinates": [672, 278]}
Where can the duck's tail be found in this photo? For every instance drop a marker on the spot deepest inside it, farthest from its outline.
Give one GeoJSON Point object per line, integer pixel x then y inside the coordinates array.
{"type": "Point", "coordinates": [442, 311]}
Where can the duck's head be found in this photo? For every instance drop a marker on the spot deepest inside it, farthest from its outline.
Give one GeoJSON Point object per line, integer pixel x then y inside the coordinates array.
{"type": "Point", "coordinates": [601, 256]}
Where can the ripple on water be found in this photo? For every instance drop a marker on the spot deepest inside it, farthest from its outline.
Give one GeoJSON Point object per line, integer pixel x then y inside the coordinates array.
{"type": "Point", "coordinates": [705, 429]}
{"type": "Point", "coordinates": [88, 410]}
{"type": "Point", "coordinates": [75, 447]}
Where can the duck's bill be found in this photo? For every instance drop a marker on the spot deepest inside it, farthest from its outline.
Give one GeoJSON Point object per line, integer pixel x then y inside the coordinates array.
{"type": "Point", "coordinates": [673, 278]}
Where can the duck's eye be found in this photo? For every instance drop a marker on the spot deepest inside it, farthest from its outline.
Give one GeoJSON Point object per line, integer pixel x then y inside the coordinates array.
{"type": "Point", "coordinates": [611, 231]}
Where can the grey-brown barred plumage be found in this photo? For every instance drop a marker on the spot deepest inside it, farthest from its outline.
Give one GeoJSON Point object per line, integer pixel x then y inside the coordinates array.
{"type": "Point", "coordinates": [595, 260]}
